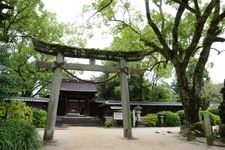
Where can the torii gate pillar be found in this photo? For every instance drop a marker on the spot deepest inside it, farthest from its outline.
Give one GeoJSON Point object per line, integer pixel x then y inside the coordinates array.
{"type": "Point", "coordinates": [53, 101]}
{"type": "Point", "coordinates": [127, 131]}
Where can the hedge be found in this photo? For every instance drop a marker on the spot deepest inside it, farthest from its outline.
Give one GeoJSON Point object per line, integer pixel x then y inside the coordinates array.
{"type": "Point", "coordinates": [171, 119]}
{"type": "Point", "coordinates": [214, 119]}
{"type": "Point", "coordinates": [39, 118]}
{"type": "Point", "coordinates": [151, 119]}
{"type": "Point", "coordinates": [17, 135]}
{"type": "Point", "coordinates": [181, 115]}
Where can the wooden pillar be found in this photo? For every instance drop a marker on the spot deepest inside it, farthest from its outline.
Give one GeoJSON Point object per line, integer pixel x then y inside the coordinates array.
{"type": "Point", "coordinates": [53, 101]}
{"type": "Point", "coordinates": [88, 106]}
{"type": "Point", "coordinates": [125, 100]}
{"type": "Point", "coordinates": [66, 105]}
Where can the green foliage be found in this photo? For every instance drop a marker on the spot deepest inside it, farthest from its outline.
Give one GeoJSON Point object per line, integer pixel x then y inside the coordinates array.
{"type": "Point", "coordinates": [29, 18]}
{"type": "Point", "coordinates": [110, 89]}
{"type": "Point", "coordinates": [2, 112]}
{"type": "Point", "coordinates": [214, 111]}
{"type": "Point", "coordinates": [198, 128]}
{"type": "Point", "coordinates": [140, 89]}
{"type": "Point", "coordinates": [7, 80]}
{"type": "Point", "coordinates": [171, 119]}
{"type": "Point", "coordinates": [162, 93]}
{"type": "Point", "coordinates": [178, 39]}
{"type": "Point", "coordinates": [19, 111]}
{"type": "Point", "coordinates": [217, 119]}
{"type": "Point", "coordinates": [18, 136]}
{"type": "Point", "coordinates": [214, 119]}
{"type": "Point", "coordinates": [6, 86]}
{"type": "Point", "coordinates": [210, 94]}
{"type": "Point", "coordinates": [108, 11]}
{"type": "Point", "coordinates": [181, 115]}
{"type": "Point", "coordinates": [123, 42]}
{"type": "Point", "coordinates": [39, 118]}
{"type": "Point", "coordinates": [151, 120]}
{"type": "Point", "coordinates": [108, 123]}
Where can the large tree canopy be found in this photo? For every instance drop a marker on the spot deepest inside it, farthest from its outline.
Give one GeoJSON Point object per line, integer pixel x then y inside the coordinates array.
{"type": "Point", "coordinates": [26, 19]}
{"type": "Point", "coordinates": [174, 30]}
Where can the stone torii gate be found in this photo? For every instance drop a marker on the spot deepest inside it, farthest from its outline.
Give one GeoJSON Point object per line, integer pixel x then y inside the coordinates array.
{"type": "Point", "coordinates": [65, 51]}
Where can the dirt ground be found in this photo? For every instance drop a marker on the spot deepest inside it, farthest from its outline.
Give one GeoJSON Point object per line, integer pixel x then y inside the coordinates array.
{"type": "Point", "coordinates": [97, 138]}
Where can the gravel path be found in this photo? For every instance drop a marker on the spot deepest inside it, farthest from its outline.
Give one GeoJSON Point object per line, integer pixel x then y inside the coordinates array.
{"type": "Point", "coordinates": [97, 138]}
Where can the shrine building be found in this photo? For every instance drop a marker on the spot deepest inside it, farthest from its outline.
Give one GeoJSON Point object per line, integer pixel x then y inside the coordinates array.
{"type": "Point", "coordinates": [75, 98]}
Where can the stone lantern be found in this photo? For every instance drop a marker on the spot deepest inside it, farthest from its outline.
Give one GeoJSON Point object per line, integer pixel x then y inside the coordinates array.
{"type": "Point", "coordinates": [138, 109]}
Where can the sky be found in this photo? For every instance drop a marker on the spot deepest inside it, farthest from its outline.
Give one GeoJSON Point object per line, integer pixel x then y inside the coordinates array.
{"type": "Point", "coordinates": [68, 11]}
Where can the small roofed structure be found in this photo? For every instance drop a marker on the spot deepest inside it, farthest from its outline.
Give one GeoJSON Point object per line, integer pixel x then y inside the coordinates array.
{"type": "Point", "coordinates": [147, 107]}
{"type": "Point", "coordinates": [75, 97]}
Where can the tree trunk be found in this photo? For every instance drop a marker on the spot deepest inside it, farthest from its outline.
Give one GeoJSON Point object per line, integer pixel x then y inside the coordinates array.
{"type": "Point", "coordinates": [188, 99]}
{"type": "Point", "coordinates": [191, 111]}
{"type": "Point", "coordinates": [141, 87]}
{"type": "Point", "coordinates": [222, 115]}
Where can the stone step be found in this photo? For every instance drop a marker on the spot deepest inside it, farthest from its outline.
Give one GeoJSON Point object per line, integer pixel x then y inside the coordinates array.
{"type": "Point", "coordinates": [78, 121]}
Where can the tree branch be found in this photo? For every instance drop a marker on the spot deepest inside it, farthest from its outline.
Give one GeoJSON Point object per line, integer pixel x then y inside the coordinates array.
{"type": "Point", "coordinates": [161, 13]}
{"type": "Point", "coordinates": [218, 51]}
{"type": "Point", "coordinates": [198, 32]}
{"type": "Point", "coordinates": [14, 18]}
{"type": "Point", "coordinates": [127, 10]}
{"type": "Point", "coordinates": [186, 6]}
{"type": "Point", "coordinates": [18, 70]}
{"type": "Point", "coordinates": [153, 66]}
{"type": "Point", "coordinates": [101, 9]}
{"type": "Point", "coordinates": [219, 17]}
{"type": "Point", "coordinates": [155, 29]}
{"type": "Point", "coordinates": [207, 43]}
{"type": "Point", "coordinates": [177, 20]}
{"type": "Point", "coordinates": [219, 39]}
{"type": "Point", "coordinates": [125, 24]}
{"type": "Point", "coordinates": [41, 88]}
{"type": "Point", "coordinates": [197, 8]}
{"type": "Point", "coordinates": [155, 47]}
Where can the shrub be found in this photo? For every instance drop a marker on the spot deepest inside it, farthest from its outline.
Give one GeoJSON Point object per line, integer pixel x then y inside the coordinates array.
{"type": "Point", "coordinates": [214, 111]}
{"type": "Point", "coordinates": [19, 111]}
{"type": "Point", "coordinates": [151, 119]}
{"type": "Point", "coordinates": [171, 119]}
{"type": "Point", "coordinates": [199, 128]}
{"type": "Point", "coordinates": [181, 115]}
{"type": "Point", "coordinates": [2, 113]}
{"type": "Point", "coordinates": [108, 123]}
{"type": "Point", "coordinates": [39, 118]}
{"type": "Point", "coordinates": [217, 119]}
{"type": "Point", "coordinates": [16, 135]}
{"type": "Point", "coordinates": [213, 118]}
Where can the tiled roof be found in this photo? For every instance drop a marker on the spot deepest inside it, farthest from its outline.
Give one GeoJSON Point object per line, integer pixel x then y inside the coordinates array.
{"type": "Point", "coordinates": [31, 99]}
{"type": "Point", "coordinates": [75, 86]}
{"type": "Point", "coordinates": [146, 103]}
